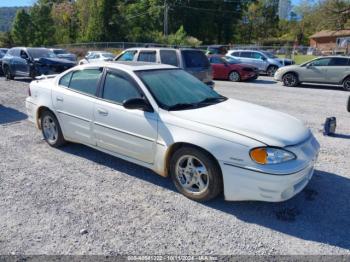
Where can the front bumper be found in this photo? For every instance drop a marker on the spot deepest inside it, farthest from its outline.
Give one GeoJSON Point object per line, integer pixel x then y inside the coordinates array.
{"type": "Point", "coordinates": [31, 111]}
{"type": "Point", "coordinates": [243, 184]}
{"type": "Point", "coordinates": [278, 75]}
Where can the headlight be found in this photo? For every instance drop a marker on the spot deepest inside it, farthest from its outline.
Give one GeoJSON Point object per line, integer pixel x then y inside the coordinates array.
{"type": "Point", "coordinates": [271, 155]}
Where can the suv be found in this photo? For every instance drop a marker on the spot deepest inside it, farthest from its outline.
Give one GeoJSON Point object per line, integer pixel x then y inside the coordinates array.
{"type": "Point", "coordinates": [324, 70]}
{"type": "Point", "coordinates": [31, 62]}
{"type": "Point", "coordinates": [191, 60]}
{"type": "Point", "coordinates": [264, 61]}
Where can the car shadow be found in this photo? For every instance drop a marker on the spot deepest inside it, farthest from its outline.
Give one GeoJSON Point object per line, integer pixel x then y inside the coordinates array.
{"type": "Point", "coordinates": [23, 79]}
{"type": "Point", "coordinates": [320, 213]}
{"type": "Point", "coordinates": [10, 115]}
{"type": "Point", "coordinates": [322, 86]}
{"type": "Point", "coordinates": [263, 81]}
{"type": "Point", "coordinates": [340, 136]}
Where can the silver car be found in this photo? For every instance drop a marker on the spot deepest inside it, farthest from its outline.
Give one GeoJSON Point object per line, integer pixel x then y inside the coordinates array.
{"type": "Point", "coordinates": [96, 56]}
{"type": "Point", "coordinates": [266, 62]}
{"type": "Point", "coordinates": [193, 61]}
{"type": "Point", "coordinates": [323, 70]}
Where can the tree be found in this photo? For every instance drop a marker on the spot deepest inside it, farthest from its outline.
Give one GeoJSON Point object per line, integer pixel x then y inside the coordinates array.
{"type": "Point", "coordinates": [43, 25]}
{"type": "Point", "coordinates": [22, 28]}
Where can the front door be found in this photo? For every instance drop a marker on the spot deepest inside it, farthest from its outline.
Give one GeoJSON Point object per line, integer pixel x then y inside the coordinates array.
{"type": "Point", "coordinates": [130, 133]}
{"type": "Point", "coordinates": [316, 71]}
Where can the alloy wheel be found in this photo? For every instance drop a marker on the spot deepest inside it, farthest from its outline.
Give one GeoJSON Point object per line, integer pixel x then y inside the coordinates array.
{"type": "Point", "coordinates": [192, 174]}
{"type": "Point", "coordinates": [346, 84]}
{"type": "Point", "coordinates": [234, 77]}
{"type": "Point", "coordinates": [50, 129]}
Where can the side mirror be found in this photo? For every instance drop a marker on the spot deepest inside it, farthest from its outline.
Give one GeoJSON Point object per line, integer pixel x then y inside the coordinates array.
{"type": "Point", "coordinates": [308, 66]}
{"type": "Point", "coordinates": [263, 58]}
{"type": "Point", "coordinates": [138, 103]}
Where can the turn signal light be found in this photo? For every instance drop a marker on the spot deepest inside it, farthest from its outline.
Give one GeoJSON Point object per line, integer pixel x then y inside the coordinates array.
{"type": "Point", "coordinates": [259, 155]}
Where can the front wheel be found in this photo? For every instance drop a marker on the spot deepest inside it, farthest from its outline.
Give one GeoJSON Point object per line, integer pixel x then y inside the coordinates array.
{"type": "Point", "coordinates": [51, 129]}
{"type": "Point", "coordinates": [290, 80]}
{"type": "Point", "coordinates": [195, 174]}
{"type": "Point", "coordinates": [271, 70]}
{"type": "Point", "coordinates": [346, 84]}
{"type": "Point", "coordinates": [234, 76]}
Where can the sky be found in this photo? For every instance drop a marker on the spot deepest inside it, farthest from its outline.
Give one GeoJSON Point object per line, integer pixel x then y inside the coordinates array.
{"type": "Point", "coordinates": [16, 2]}
{"type": "Point", "coordinates": [30, 2]}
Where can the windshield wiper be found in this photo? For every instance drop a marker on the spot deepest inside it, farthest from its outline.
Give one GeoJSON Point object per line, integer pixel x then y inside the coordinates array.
{"type": "Point", "coordinates": [181, 106]}
{"type": "Point", "coordinates": [213, 100]}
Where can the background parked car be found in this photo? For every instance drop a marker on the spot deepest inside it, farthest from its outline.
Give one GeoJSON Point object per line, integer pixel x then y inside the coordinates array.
{"type": "Point", "coordinates": [95, 56]}
{"type": "Point", "coordinates": [324, 70]}
{"type": "Point", "coordinates": [191, 60]}
{"type": "Point", "coordinates": [62, 53]}
{"type": "Point", "coordinates": [3, 52]}
{"type": "Point", "coordinates": [217, 50]}
{"type": "Point", "coordinates": [232, 69]}
{"type": "Point", "coordinates": [265, 61]}
{"type": "Point", "coordinates": [31, 62]}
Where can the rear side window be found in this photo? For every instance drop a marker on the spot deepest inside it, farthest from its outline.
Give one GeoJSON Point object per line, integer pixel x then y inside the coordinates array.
{"type": "Point", "coordinates": [339, 61]}
{"type": "Point", "coordinates": [118, 87]}
{"type": "Point", "coordinates": [195, 59]}
{"type": "Point", "coordinates": [246, 54]}
{"type": "Point", "coordinates": [65, 80]}
{"type": "Point", "coordinates": [168, 57]}
{"type": "Point", "coordinates": [86, 81]}
{"type": "Point", "coordinates": [147, 56]}
{"type": "Point", "coordinates": [127, 56]}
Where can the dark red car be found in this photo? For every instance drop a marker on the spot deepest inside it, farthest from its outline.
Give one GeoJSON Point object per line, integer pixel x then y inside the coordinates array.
{"type": "Point", "coordinates": [231, 69]}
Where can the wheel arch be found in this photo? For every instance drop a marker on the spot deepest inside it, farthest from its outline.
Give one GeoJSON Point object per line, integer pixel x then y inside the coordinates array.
{"type": "Point", "coordinates": [176, 146]}
{"type": "Point", "coordinates": [39, 111]}
{"type": "Point", "coordinates": [346, 77]}
{"type": "Point", "coordinates": [291, 72]}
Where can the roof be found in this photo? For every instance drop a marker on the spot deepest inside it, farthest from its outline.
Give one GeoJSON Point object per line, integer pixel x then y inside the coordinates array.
{"type": "Point", "coordinates": [329, 33]}
{"type": "Point", "coordinates": [130, 66]}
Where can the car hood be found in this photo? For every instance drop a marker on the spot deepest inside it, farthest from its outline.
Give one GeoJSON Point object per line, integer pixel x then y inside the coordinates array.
{"type": "Point", "coordinates": [263, 124]}
{"type": "Point", "coordinates": [290, 67]}
{"type": "Point", "coordinates": [54, 61]}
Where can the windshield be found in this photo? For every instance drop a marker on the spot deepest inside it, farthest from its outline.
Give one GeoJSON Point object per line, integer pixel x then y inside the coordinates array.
{"type": "Point", "coordinates": [269, 55]}
{"type": "Point", "coordinates": [231, 60]}
{"type": "Point", "coordinates": [108, 55]}
{"type": "Point", "coordinates": [41, 52]}
{"type": "Point", "coordinates": [60, 52]}
{"type": "Point", "coordinates": [174, 89]}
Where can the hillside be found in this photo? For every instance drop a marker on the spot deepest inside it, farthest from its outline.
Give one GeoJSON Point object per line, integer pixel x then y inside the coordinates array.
{"type": "Point", "coordinates": [7, 14]}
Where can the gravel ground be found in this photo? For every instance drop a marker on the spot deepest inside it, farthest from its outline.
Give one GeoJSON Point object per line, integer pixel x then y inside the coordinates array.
{"type": "Point", "coordinates": [76, 200]}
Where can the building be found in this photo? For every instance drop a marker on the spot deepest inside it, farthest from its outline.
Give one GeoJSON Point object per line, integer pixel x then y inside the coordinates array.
{"type": "Point", "coordinates": [328, 40]}
{"type": "Point", "coordinates": [284, 9]}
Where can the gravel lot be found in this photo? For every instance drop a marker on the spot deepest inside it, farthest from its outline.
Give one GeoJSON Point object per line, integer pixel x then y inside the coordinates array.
{"type": "Point", "coordinates": [76, 200]}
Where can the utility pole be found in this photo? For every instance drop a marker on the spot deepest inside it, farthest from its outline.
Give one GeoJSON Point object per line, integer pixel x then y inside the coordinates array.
{"type": "Point", "coordinates": [166, 10]}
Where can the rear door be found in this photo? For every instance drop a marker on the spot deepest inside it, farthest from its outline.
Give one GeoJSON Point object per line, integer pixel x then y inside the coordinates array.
{"type": "Point", "coordinates": [74, 102]}
{"type": "Point", "coordinates": [338, 68]}
{"type": "Point", "coordinates": [196, 63]}
{"type": "Point", "coordinates": [219, 68]}
{"type": "Point", "coordinates": [246, 58]}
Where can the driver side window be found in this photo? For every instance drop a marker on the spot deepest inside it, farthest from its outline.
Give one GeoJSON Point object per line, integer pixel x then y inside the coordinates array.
{"type": "Point", "coordinates": [321, 62]}
{"type": "Point", "coordinates": [119, 87]}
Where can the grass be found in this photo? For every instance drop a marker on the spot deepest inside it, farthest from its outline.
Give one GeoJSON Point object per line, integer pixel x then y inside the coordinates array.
{"type": "Point", "coordinates": [299, 59]}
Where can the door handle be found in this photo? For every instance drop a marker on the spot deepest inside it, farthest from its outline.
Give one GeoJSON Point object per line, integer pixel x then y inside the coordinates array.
{"type": "Point", "coordinates": [60, 99]}
{"type": "Point", "coordinates": [102, 111]}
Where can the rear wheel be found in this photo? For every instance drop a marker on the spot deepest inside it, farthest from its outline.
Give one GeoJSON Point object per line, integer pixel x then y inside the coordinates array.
{"type": "Point", "coordinates": [195, 174]}
{"type": "Point", "coordinates": [290, 80]}
{"type": "Point", "coordinates": [51, 129]}
{"type": "Point", "coordinates": [234, 76]}
{"type": "Point", "coordinates": [346, 84]}
{"type": "Point", "coordinates": [271, 70]}
{"type": "Point", "coordinates": [7, 73]}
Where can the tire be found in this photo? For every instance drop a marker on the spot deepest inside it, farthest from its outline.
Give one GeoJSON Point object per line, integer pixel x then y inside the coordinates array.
{"type": "Point", "coordinates": [348, 105]}
{"type": "Point", "coordinates": [32, 74]}
{"type": "Point", "coordinates": [234, 76]}
{"type": "Point", "coordinates": [290, 80]}
{"type": "Point", "coordinates": [7, 73]}
{"type": "Point", "coordinates": [271, 70]}
{"type": "Point", "coordinates": [195, 174]}
{"type": "Point", "coordinates": [346, 84]}
{"type": "Point", "coordinates": [51, 129]}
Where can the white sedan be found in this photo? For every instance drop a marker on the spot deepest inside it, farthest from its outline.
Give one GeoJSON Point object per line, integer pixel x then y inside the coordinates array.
{"type": "Point", "coordinates": [163, 118]}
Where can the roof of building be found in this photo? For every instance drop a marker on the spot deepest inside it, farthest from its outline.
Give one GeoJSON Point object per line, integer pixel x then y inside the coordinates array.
{"type": "Point", "coordinates": [330, 33]}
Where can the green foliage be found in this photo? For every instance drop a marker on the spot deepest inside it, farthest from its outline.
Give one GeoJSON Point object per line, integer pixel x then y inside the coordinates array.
{"type": "Point", "coordinates": [6, 39]}
{"type": "Point", "coordinates": [43, 25]}
{"type": "Point", "coordinates": [22, 30]}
